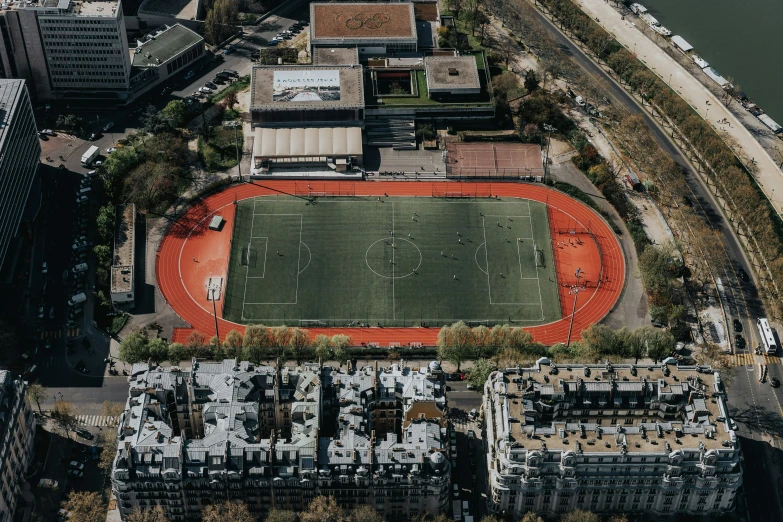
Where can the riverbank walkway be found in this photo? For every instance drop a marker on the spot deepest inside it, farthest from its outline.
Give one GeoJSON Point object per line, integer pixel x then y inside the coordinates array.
{"type": "Point", "coordinates": [768, 175]}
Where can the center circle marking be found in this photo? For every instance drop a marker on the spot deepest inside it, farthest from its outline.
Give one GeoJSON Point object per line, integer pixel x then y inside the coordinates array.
{"type": "Point", "coordinates": [392, 240]}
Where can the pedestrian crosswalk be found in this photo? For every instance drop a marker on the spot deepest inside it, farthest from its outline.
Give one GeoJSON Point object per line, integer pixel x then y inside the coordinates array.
{"type": "Point", "coordinates": [57, 333]}
{"type": "Point", "coordinates": [96, 420]}
{"type": "Point", "coordinates": [51, 334]}
{"type": "Point", "coordinates": [744, 359]}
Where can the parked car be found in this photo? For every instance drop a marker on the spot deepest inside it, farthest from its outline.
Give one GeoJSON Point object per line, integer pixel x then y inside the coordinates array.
{"type": "Point", "coordinates": [84, 434]}
{"type": "Point", "coordinates": [739, 341]}
{"type": "Point", "coordinates": [94, 136]}
{"type": "Point", "coordinates": [79, 244]}
{"type": "Point", "coordinates": [743, 275]}
{"type": "Point", "coordinates": [110, 150]}
{"type": "Point", "coordinates": [229, 49]}
{"type": "Point", "coordinates": [737, 325]}
{"type": "Point", "coordinates": [774, 382]}
{"type": "Point", "coordinates": [211, 85]}
{"type": "Point", "coordinates": [189, 75]}
{"type": "Point", "coordinates": [94, 453]}
{"type": "Point", "coordinates": [230, 72]}
{"type": "Point", "coordinates": [51, 313]}
{"type": "Point", "coordinates": [44, 268]}
{"type": "Point", "coordinates": [273, 41]}
{"type": "Point", "coordinates": [98, 163]}
{"type": "Point", "coordinates": [108, 126]}
{"type": "Point", "coordinates": [205, 90]}
{"type": "Point", "coordinates": [47, 483]}
{"type": "Point", "coordinates": [41, 312]}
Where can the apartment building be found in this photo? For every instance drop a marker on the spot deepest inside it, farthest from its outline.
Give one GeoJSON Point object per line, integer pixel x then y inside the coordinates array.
{"type": "Point", "coordinates": [17, 434]}
{"type": "Point", "coordinates": [278, 437]}
{"type": "Point", "coordinates": [610, 438]}
{"type": "Point", "coordinates": [20, 152]}
{"type": "Point", "coordinates": [67, 49]}
{"type": "Point", "coordinates": [387, 447]}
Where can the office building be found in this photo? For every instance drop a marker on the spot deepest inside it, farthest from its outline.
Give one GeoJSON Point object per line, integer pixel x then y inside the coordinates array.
{"type": "Point", "coordinates": [610, 439]}
{"type": "Point", "coordinates": [67, 49]}
{"type": "Point", "coordinates": [17, 434]}
{"type": "Point", "coordinates": [277, 437]}
{"type": "Point", "coordinates": [20, 153]}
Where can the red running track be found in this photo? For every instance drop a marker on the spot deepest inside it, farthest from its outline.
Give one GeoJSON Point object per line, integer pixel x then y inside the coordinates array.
{"type": "Point", "coordinates": [189, 254]}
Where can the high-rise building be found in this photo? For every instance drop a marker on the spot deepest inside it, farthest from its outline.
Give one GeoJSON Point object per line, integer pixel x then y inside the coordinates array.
{"type": "Point", "coordinates": [67, 48]}
{"type": "Point", "coordinates": [610, 439]}
{"type": "Point", "coordinates": [17, 434]}
{"type": "Point", "coordinates": [278, 437]}
{"type": "Point", "coordinates": [20, 153]}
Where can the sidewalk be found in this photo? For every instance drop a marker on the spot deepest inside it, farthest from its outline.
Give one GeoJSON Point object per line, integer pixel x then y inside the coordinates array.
{"type": "Point", "coordinates": [768, 175]}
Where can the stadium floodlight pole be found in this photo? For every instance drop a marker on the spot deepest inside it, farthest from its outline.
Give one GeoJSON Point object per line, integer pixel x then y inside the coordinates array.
{"type": "Point", "coordinates": [236, 143]}
{"type": "Point", "coordinates": [574, 290]}
{"type": "Point", "coordinates": [214, 313]}
{"type": "Point", "coordinates": [549, 128]}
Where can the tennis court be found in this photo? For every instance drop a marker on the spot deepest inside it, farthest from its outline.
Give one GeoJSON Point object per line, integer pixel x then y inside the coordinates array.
{"type": "Point", "coordinates": [489, 160]}
{"type": "Point", "coordinates": [403, 261]}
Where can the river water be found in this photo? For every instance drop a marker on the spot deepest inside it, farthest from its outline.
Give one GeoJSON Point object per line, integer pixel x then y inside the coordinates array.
{"type": "Point", "coordinates": [742, 39]}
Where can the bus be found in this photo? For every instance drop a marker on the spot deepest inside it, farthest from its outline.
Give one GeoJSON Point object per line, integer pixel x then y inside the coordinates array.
{"type": "Point", "coordinates": [767, 337]}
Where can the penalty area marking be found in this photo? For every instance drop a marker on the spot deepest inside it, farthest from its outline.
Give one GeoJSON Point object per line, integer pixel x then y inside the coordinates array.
{"type": "Point", "coordinates": [266, 250]}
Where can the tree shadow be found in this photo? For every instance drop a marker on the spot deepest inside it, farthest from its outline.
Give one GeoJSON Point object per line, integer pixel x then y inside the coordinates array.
{"type": "Point", "coordinates": [190, 223]}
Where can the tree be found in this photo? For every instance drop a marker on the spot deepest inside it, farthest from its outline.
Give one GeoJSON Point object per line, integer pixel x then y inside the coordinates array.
{"type": "Point", "coordinates": [113, 409]}
{"type": "Point", "coordinates": [178, 352]}
{"type": "Point", "coordinates": [322, 509]}
{"type": "Point", "coordinates": [134, 348]}
{"type": "Point", "coordinates": [64, 416]}
{"type": "Point", "coordinates": [154, 121]}
{"type": "Point", "coordinates": [580, 516]}
{"type": "Point", "coordinates": [531, 80]}
{"type": "Point", "coordinates": [323, 347]}
{"type": "Point", "coordinates": [108, 446]}
{"type": "Point", "coordinates": [227, 511]}
{"type": "Point", "coordinates": [105, 222]}
{"type": "Point", "coordinates": [454, 343]}
{"type": "Point", "coordinates": [37, 394]}
{"type": "Point", "coordinates": [151, 184]}
{"type": "Point", "coordinates": [299, 343]}
{"type": "Point", "coordinates": [365, 513]}
{"type": "Point", "coordinates": [196, 339]}
{"type": "Point", "coordinates": [155, 514]}
{"type": "Point", "coordinates": [176, 113]}
{"type": "Point", "coordinates": [256, 343]}
{"type": "Point", "coordinates": [531, 517]}
{"type": "Point", "coordinates": [233, 339]}
{"type": "Point", "coordinates": [158, 349]}
{"type": "Point", "coordinates": [85, 506]}
{"type": "Point", "coordinates": [70, 122]}
{"type": "Point", "coordinates": [478, 375]}
{"type": "Point", "coordinates": [280, 515]}
{"type": "Point", "coordinates": [220, 21]}
{"type": "Point", "coordinates": [231, 99]}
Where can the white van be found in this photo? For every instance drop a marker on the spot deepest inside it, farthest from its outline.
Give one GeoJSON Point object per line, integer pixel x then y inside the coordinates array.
{"type": "Point", "coordinates": [85, 190]}
{"type": "Point", "coordinates": [78, 298]}
{"type": "Point", "coordinates": [81, 267]}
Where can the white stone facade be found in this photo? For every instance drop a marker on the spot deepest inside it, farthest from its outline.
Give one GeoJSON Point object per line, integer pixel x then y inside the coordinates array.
{"type": "Point", "coordinates": [610, 439]}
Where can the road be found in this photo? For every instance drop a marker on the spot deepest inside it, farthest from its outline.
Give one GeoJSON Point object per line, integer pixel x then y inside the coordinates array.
{"type": "Point", "coordinates": [755, 406]}
{"type": "Point", "coordinates": [470, 456]}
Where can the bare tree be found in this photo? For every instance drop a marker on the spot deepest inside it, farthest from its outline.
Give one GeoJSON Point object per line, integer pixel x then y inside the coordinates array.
{"type": "Point", "coordinates": [37, 394]}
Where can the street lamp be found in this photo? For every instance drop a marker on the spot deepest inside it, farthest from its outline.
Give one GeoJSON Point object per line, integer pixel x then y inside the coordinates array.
{"type": "Point", "coordinates": [575, 289]}
{"type": "Point", "coordinates": [548, 128]}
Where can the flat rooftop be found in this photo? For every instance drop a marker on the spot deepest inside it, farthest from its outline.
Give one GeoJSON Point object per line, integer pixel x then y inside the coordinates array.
{"type": "Point", "coordinates": [294, 87]}
{"type": "Point", "coordinates": [335, 56]}
{"type": "Point", "coordinates": [451, 72]}
{"type": "Point", "coordinates": [84, 8]}
{"type": "Point", "coordinates": [362, 21]}
{"type": "Point", "coordinates": [122, 263]}
{"type": "Point", "coordinates": [179, 9]}
{"type": "Point", "coordinates": [164, 46]}
{"type": "Point", "coordinates": [615, 404]}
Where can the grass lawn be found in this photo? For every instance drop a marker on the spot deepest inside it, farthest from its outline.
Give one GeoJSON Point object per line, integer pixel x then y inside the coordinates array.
{"type": "Point", "coordinates": [238, 86]}
{"type": "Point", "coordinates": [338, 260]}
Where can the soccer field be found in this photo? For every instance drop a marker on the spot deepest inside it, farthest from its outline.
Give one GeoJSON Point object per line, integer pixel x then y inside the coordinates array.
{"type": "Point", "coordinates": [400, 262]}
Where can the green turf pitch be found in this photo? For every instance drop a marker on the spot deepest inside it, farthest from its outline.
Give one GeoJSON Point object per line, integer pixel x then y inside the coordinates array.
{"type": "Point", "coordinates": [401, 262]}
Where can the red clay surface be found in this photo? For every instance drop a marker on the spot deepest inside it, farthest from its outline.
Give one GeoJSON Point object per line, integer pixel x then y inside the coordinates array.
{"type": "Point", "coordinates": [190, 254]}
{"type": "Point", "coordinates": [492, 159]}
